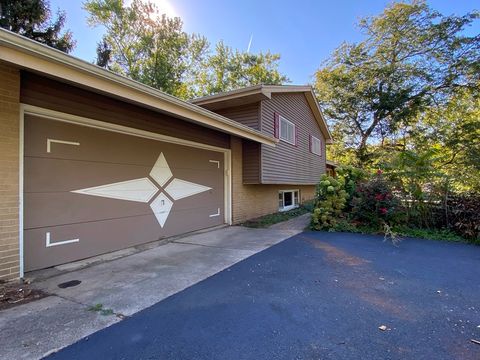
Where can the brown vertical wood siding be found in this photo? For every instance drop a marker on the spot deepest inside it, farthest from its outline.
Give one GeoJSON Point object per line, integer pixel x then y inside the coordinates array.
{"type": "Point", "coordinates": [246, 114]}
{"type": "Point", "coordinates": [251, 162]}
{"type": "Point", "coordinates": [50, 94]}
{"type": "Point", "coordinates": [286, 163]}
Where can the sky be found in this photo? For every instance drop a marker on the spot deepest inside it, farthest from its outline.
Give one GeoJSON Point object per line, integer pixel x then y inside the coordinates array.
{"type": "Point", "coordinates": [303, 32]}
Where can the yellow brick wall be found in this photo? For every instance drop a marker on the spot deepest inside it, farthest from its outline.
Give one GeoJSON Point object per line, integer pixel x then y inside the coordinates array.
{"type": "Point", "coordinates": [9, 171]}
{"type": "Point", "coordinates": [251, 201]}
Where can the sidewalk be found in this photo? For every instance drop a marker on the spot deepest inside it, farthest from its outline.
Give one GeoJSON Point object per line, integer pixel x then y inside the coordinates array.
{"type": "Point", "coordinates": [123, 287]}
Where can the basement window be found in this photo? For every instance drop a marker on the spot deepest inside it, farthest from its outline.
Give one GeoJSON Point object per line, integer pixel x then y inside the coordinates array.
{"type": "Point", "coordinates": [287, 200]}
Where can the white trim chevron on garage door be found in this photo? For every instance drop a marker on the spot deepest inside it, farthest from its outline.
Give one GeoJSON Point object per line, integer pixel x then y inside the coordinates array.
{"type": "Point", "coordinates": [141, 190]}
{"type": "Point", "coordinates": [78, 120]}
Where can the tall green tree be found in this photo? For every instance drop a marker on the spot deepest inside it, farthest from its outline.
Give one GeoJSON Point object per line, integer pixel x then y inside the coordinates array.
{"type": "Point", "coordinates": [412, 58]}
{"type": "Point", "coordinates": [32, 19]}
{"type": "Point", "coordinates": [152, 48]}
{"type": "Point", "coordinates": [452, 131]}
{"type": "Point", "coordinates": [145, 45]}
{"type": "Point", "coordinates": [227, 69]}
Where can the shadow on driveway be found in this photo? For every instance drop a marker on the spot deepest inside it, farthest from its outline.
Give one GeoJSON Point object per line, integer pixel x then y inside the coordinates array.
{"type": "Point", "coordinates": [314, 296]}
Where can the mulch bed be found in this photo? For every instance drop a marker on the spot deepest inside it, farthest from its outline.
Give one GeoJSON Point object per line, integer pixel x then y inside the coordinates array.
{"type": "Point", "coordinates": [14, 294]}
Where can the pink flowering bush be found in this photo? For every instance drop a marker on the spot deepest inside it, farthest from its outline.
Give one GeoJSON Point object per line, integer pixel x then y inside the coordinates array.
{"type": "Point", "coordinates": [375, 204]}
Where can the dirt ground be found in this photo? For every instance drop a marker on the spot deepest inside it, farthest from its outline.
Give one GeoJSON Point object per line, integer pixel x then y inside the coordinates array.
{"type": "Point", "coordinates": [17, 293]}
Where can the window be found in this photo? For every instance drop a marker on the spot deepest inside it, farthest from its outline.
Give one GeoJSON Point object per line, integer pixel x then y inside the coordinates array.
{"type": "Point", "coordinates": [315, 145]}
{"type": "Point", "coordinates": [287, 199]}
{"type": "Point", "coordinates": [286, 130]}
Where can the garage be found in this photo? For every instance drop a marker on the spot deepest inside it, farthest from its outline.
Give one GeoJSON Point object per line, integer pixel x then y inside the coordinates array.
{"type": "Point", "coordinates": [90, 189]}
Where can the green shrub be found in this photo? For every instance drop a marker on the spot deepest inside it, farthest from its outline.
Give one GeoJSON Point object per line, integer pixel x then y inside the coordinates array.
{"type": "Point", "coordinates": [431, 234]}
{"type": "Point", "coordinates": [331, 198]}
{"type": "Point", "coordinates": [352, 177]}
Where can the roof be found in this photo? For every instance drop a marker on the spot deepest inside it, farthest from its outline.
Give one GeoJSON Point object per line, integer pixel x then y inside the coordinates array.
{"type": "Point", "coordinates": [263, 92]}
{"type": "Point", "coordinates": [332, 164]}
{"type": "Point", "coordinates": [31, 55]}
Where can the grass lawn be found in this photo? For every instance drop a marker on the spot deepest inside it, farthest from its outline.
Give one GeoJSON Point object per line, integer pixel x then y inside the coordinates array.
{"type": "Point", "coordinates": [402, 231]}
{"type": "Point", "coordinates": [268, 220]}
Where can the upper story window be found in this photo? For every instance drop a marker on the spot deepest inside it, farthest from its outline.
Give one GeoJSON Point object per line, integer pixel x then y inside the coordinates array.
{"type": "Point", "coordinates": [315, 145]}
{"type": "Point", "coordinates": [286, 130]}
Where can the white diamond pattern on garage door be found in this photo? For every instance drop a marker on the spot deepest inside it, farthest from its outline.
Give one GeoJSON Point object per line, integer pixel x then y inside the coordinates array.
{"type": "Point", "coordinates": [140, 189]}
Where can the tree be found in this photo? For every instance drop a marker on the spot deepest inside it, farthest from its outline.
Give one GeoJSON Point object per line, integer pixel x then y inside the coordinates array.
{"type": "Point", "coordinates": [153, 49]}
{"type": "Point", "coordinates": [146, 46]}
{"type": "Point", "coordinates": [227, 69]}
{"type": "Point", "coordinates": [412, 58]}
{"type": "Point", "coordinates": [452, 131]}
{"type": "Point", "coordinates": [32, 19]}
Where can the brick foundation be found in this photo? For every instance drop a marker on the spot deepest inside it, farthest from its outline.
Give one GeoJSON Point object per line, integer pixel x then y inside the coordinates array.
{"type": "Point", "coordinates": [251, 201]}
{"type": "Point", "coordinates": [9, 172]}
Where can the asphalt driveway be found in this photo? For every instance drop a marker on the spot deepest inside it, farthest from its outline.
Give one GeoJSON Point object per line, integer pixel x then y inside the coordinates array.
{"type": "Point", "coordinates": [313, 296]}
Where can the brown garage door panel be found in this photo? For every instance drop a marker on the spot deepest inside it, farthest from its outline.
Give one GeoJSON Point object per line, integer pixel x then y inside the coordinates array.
{"type": "Point", "coordinates": [105, 146]}
{"type": "Point", "coordinates": [79, 241]}
{"type": "Point", "coordinates": [65, 175]}
{"type": "Point", "coordinates": [55, 209]}
{"type": "Point", "coordinates": [111, 191]}
{"type": "Point", "coordinates": [62, 175]}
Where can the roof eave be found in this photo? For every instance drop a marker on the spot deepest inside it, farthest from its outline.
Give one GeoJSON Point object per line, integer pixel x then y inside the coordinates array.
{"type": "Point", "coordinates": [32, 55]}
{"type": "Point", "coordinates": [267, 91]}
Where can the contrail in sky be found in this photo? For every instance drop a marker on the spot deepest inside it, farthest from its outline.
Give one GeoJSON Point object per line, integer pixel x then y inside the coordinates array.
{"type": "Point", "coordinates": [249, 43]}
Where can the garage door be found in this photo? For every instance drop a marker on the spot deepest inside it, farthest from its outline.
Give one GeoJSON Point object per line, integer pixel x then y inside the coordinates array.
{"type": "Point", "coordinates": [89, 191]}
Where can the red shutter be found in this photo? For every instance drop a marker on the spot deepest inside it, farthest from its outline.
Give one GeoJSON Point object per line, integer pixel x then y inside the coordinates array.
{"type": "Point", "coordinates": [321, 146]}
{"type": "Point", "coordinates": [310, 143]}
{"type": "Point", "coordinates": [296, 135]}
{"type": "Point", "coordinates": [276, 124]}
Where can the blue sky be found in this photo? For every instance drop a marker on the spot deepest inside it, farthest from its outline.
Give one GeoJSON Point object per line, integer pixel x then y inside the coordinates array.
{"type": "Point", "coordinates": [303, 32]}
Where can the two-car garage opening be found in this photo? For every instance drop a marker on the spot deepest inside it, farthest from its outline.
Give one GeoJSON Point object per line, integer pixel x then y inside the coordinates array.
{"type": "Point", "coordinates": [93, 188]}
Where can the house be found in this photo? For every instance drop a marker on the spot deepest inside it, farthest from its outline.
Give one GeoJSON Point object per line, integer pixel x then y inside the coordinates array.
{"type": "Point", "coordinates": [331, 168]}
{"type": "Point", "coordinates": [92, 162]}
{"type": "Point", "coordinates": [275, 178]}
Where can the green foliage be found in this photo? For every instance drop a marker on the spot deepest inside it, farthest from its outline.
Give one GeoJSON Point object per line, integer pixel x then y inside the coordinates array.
{"type": "Point", "coordinates": [412, 58]}
{"type": "Point", "coordinates": [431, 234]}
{"type": "Point", "coordinates": [227, 69]}
{"type": "Point", "coordinates": [100, 309]}
{"type": "Point", "coordinates": [346, 225]}
{"type": "Point", "coordinates": [32, 19]}
{"type": "Point", "coordinates": [146, 46]}
{"type": "Point", "coordinates": [351, 176]}
{"type": "Point", "coordinates": [401, 203]}
{"type": "Point", "coordinates": [268, 220]}
{"type": "Point", "coordinates": [452, 131]}
{"type": "Point", "coordinates": [152, 48]}
{"type": "Point", "coordinates": [419, 184]}
{"type": "Point", "coordinates": [331, 199]}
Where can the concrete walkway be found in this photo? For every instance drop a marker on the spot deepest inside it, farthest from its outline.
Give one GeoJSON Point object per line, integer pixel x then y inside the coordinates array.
{"type": "Point", "coordinates": [123, 287]}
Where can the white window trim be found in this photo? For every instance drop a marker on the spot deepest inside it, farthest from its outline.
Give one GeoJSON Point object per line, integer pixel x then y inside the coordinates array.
{"type": "Point", "coordinates": [313, 138]}
{"type": "Point", "coordinates": [280, 119]}
{"type": "Point", "coordinates": [293, 206]}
